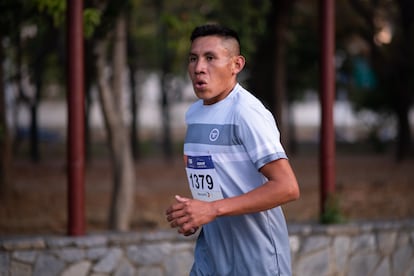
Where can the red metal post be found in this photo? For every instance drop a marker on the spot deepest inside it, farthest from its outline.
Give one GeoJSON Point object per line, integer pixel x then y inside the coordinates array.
{"type": "Point", "coordinates": [75, 135]}
{"type": "Point", "coordinates": [327, 98]}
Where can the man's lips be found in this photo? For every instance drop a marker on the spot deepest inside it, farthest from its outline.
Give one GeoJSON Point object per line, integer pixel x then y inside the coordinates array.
{"type": "Point", "coordinates": [200, 84]}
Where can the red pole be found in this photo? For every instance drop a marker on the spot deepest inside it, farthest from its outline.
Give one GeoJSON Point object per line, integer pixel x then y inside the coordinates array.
{"type": "Point", "coordinates": [75, 142]}
{"type": "Point", "coordinates": [327, 84]}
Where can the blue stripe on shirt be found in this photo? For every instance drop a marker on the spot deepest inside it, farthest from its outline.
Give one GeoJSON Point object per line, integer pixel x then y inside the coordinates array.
{"type": "Point", "coordinates": [212, 134]}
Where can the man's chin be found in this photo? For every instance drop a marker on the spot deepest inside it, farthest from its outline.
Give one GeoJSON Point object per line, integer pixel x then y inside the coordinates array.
{"type": "Point", "coordinates": [202, 94]}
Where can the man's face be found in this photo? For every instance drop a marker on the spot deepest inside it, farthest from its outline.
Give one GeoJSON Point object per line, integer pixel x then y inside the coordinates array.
{"type": "Point", "coordinates": [211, 68]}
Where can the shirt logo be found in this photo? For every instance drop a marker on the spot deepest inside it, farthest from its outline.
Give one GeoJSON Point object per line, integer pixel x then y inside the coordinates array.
{"type": "Point", "coordinates": [214, 134]}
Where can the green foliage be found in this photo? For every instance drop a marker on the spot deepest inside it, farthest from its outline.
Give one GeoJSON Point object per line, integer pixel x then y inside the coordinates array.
{"type": "Point", "coordinates": [178, 31]}
{"type": "Point", "coordinates": [54, 8]}
{"type": "Point", "coordinates": [332, 213]}
{"type": "Point", "coordinates": [302, 51]}
{"type": "Point", "coordinates": [176, 19]}
{"type": "Point", "coordinates": [91, 19]}
{"type": "Point", "coordinates": [247, 17]}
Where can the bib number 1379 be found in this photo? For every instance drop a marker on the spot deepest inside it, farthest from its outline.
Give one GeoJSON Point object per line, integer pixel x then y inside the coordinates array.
{"type": "Point", "coordinates": [202, 178]}
{"type": "Point", "coordinates": [201, 181]}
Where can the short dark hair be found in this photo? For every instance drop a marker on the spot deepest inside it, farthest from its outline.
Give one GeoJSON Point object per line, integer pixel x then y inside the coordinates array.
{"type": "Point", "coordinates": [214, 29]}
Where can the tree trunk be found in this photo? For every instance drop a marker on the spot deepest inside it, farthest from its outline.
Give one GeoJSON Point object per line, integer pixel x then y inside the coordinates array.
{"type": "Point", "coordinates": [89, 65]}
{"type": "Point", "coordinates": [404, 96]}
{"type": "Point", "coordinates": [119, 60]}
{"type": "Point", "coordinates": [34, 131]}
{"type": "Point", "coordinates": [121, 157]}
{"type": "Point", "coordinates": [134, 136]}
{"type": "Point", "coordinates": [403, 134]}
{"type": "Point", "coordinates": [5, 142]}
{"type": "Point", "coordinates": [280, 27]}
{"type": "Point", "coordinates": [280, 75]}
{"type": "Point", "coordinates": [165, 70]}
{"type": "Point", "coordinates": [133, 68]}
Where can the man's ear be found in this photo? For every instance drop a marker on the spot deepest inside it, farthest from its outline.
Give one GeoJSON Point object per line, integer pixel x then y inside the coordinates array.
{"type": "Point", "coordinates": [238, 64]}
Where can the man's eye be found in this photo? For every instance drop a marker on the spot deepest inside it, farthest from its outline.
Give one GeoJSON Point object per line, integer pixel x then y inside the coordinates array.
{"type": "Point", "coordinates": [192, 59]}
{"type": "Point", "coordinates": [209, 58]}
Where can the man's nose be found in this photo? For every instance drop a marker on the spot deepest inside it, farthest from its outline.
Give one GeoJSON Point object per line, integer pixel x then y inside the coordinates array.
{"type": "Point", "coordinates": [199, 66]}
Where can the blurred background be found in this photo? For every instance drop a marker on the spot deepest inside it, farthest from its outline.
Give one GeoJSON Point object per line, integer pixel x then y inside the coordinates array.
{"type": "Point", "coordinates": [136, 93]}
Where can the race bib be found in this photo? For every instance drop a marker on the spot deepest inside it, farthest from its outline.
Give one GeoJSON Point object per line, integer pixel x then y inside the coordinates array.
{"type": "Point", "coordinates": [202, 178]}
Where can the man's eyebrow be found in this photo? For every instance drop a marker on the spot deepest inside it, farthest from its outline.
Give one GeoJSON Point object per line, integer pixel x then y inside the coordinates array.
{"type": "Point", "coordinates": [208, 53]}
